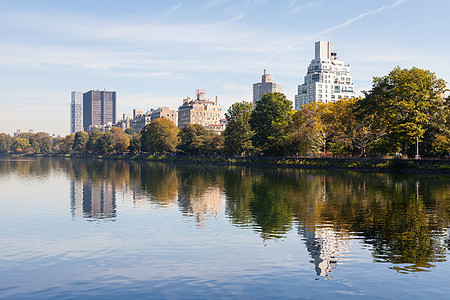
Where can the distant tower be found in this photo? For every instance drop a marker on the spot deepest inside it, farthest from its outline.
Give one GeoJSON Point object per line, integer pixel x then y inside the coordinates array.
{"type": "Point", "coordinates": [328, 79]}
{"type": "Point", "coordinates": [76, 112]}
{"type": "Point", "coordinates": [264, 87]}
{"type": "Point", "coordinates": [99, 108]}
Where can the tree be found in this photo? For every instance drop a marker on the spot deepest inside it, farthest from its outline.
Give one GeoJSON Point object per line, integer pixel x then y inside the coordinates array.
{"type": "Point", "coordinates": [20, 144]}
{"type": "Point", "coordinates": [270, 120]}
{"type": "Point", "coordinates": [135, 143]}
{"type": "Point", "coordinates": [314, 121]}
{"type": "Point", "coordinates": [5, 142]}
{"type": "Point", "coordinates": [92, 144]}
{"type": "Point", "coordinates": [403, 102]}
{"type": "Point", "coordinates": [194, 139]}
{"type": "Point", "coordinates": [44, 141]}
{"type": "Point", "coordinates": [67, 143]}
{"type": "Point", "coordinates": [129, 131]}
{"type": "Point", "coordinates": [120, 140]}
{"type": "Point", "coordinates": [352, 129]}
{"type": "Point", "coordinates": [160, 136]}
{"type": "Point", "coordinates": [79, 144]}
{"type": "Point", "coordinates": [238, 133]}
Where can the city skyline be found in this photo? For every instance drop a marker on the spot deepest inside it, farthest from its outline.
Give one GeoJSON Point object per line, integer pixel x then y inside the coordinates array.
{"type": "Point", "coordinates": [156, 54]}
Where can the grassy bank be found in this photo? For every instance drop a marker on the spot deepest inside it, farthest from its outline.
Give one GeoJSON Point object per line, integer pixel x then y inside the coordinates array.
{"type": "Point", "coordinates": [354, 164]}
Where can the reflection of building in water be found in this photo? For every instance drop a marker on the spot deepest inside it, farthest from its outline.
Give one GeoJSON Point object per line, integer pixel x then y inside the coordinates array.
{"type": "Point", "coordinates": [92, 201]}
{"type": "Point", "coordinates": [131, 193]}
{"type": "Point", "coordinates": [76, 198]}
{"type": "Point", "coordinates": [325, 245]}
{"type": "Point", "coordinates": [201, 204]}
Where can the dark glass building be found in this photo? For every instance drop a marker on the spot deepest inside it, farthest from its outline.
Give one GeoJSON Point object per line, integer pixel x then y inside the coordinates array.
{"type": "Point", "coordinates": [99, 108]}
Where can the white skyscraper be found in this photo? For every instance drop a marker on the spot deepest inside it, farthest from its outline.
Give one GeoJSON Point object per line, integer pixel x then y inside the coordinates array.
{"type": "Point", "coordinates": [328, 79]}
{"type": "Point", "coordinates": [76, 112]}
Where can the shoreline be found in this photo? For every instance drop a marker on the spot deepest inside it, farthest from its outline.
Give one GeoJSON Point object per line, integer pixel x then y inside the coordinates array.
{"type": "Point", "coordinates": [378, 165]}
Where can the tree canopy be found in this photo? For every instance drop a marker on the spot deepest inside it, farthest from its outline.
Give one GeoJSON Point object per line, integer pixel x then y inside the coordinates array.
{"type": "Point", "coordinates": [270, 120]}
{"type": "Point", "coordinates": [239, 133]}
{"type": "Point", "coordinates": [160, 136]}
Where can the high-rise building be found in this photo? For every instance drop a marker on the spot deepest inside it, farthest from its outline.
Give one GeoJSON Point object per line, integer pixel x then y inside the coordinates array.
{"type": "Point", "coordinates": [99, 108]}
{"type": "Point", "coordinates": [327, 80]}
{"type": "Point", "coordinates": [267, 85]}
{"type": "Point", "coordinates": [199, 111]}
{"type": "Point", "coordinates": [165, 112]}
{"type": "Point", "coordinates": [76, 112]}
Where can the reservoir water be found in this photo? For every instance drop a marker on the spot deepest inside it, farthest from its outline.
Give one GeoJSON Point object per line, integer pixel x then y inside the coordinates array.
{"type": "Point", "coordinates": [93, 229]}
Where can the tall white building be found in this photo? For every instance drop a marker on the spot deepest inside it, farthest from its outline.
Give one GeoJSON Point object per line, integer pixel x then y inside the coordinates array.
{"type": "Point", "coordinates": [76, 112]}
{"type": "Point", "coordinates": [267, 85]}
{"type": "Point", "coordinates": [328, 79]}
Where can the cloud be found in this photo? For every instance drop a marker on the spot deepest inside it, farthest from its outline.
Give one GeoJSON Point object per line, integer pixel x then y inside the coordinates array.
{"type": "Point", "coordinates": [294, 8]}
{"type": "Point", "coordinates": [302, 40]}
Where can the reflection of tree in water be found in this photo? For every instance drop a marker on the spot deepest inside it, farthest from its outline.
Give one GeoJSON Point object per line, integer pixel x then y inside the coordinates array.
{"type": "Point", "coordinates": [404, 226]}
{"type": "Point", "coordinates": [403, 218]}
{"type": "Point", "coordinates": [257, 199]}
{"type": "Point", "coordinates": [200, 192]}
{"type": "Point", "coordinates": [160, 182]}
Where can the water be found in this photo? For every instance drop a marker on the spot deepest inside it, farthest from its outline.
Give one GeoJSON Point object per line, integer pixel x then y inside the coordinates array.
{"type": "Point", "coordinates": [103, 229]}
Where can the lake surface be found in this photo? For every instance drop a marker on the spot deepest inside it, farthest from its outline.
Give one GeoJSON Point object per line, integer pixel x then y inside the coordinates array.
{"type": "Point", "coordinates": [102, 229]}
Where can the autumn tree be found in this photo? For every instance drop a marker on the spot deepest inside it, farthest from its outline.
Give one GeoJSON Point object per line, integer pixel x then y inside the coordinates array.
{"type": "Point", "coordinates": [5, 142]}
{"type": "Point", "coordinates": [403, 102]}
{"type": "Point", "coordinates": [354, 130]}
{"type": "Point", "coordinates": [271, 120]}
{"type": "Point", "coordinates": [20, 144]}
{"type": "Point", "coordinates": [160, 136]}
{"type": "Point", "coordinates": [314, 121]}
{"type": "Point", "coordinates": [238, 133]}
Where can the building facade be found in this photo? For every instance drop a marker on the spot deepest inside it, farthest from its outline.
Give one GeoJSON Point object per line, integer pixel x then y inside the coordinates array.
{"type": "Point", "coordinates": [267, 85]}
{"type": "Point", "coordinates": [76, 112]}
{"type": "Point", "coordinates": [200, 111]}
{"type": "Point", "coordinates": [140, 121]}
{"type": "Point", "coordinates": [99, 109]}
{"type": "Point", "coordinates": [165, 112]}
{"type": "Point", "coordinates": [327, 80]}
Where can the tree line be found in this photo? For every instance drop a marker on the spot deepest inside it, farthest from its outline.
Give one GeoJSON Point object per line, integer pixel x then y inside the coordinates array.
{"type": "Point", "coordinates": [403, 112]}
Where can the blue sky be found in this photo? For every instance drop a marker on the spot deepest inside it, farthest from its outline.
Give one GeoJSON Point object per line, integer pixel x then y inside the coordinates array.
{"type": "Point", "coordinates": [155, 53]}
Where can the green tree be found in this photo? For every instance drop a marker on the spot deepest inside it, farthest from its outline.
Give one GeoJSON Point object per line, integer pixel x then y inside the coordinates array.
{"type": "Point", "coordinates": [238, 133]}
{"type": "Point", "coordinates": [44, 141]}
{"type": "Point", "coordinates": [271, 120]}
{"type": "Point", "coordinates": [5, 142]}
{"type": "Point", "coordinates": [135, 143]}
{"type": "Point", "coordinates": [129, 131]}
{"type": "Point", "coordinates": [66, 144]}
{"type": "Point", "coordinates": [81, 138]}
{"type": "Point", "coordinates": [105, 143]}
{"type": "Point", "coordinates": [160, 136]}
{"type": "Point", "coordinates": [194, 139]}
{"type": "Point", "coordinates": [403, 102]}
{"type": "Point", "coordinates": [92, 144]}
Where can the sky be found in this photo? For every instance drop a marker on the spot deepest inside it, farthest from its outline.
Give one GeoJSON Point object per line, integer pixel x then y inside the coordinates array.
{"type": "Point", "coordinates": [155, 53]}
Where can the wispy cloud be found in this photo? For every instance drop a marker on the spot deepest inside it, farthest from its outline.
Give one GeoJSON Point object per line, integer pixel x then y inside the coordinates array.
{"type": "Point", "coordinates": [294, 43]}
{"type": "Point", "coordinates": [295, 8]}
